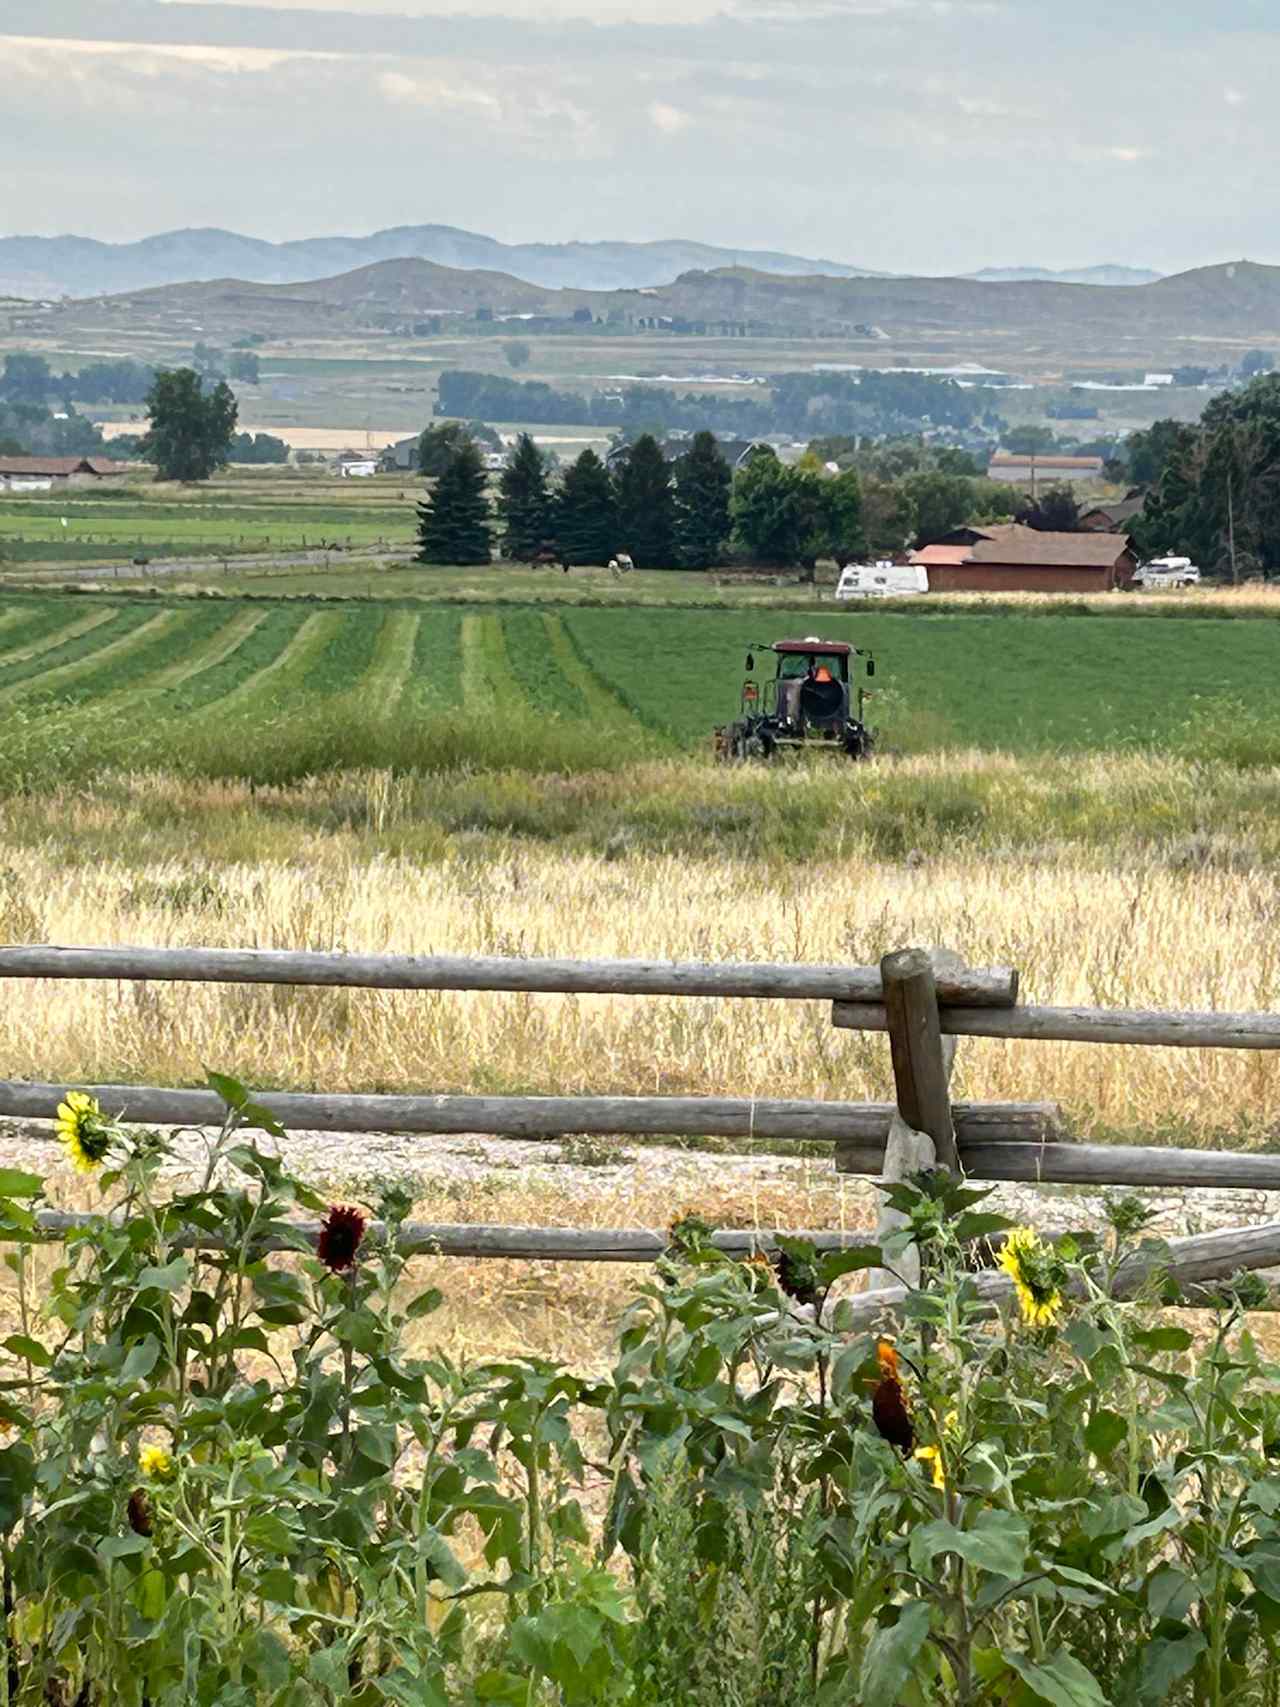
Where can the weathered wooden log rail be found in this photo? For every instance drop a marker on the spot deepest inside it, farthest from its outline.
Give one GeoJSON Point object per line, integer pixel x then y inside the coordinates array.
{"type": "Point", "coordinates": [860, 984]}
{"type": "Point", "coordinates": [924, 1002]}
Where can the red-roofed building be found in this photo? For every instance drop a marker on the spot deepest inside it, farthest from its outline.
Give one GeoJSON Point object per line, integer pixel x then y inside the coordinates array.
{"type": "Point", "coordinates": [1007, 557]}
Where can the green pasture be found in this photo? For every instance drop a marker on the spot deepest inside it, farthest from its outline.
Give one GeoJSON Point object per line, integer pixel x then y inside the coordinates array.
{"type": "Point", "coordinates": [246, 511]}
{"type": "Point", "coordinates": [134, 677]}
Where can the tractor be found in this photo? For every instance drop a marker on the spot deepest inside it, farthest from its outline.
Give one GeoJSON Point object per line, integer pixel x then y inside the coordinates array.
{"type": "Point", "coordinates": [805, 707]}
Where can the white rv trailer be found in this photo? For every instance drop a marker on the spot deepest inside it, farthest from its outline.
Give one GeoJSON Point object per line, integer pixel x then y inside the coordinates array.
{"type": "Point", "coordinates": [881, 580]}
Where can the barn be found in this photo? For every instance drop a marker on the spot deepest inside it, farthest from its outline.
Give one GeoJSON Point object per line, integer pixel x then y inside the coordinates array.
{"type": "Point", "coordinates": [1007, 558]}
{"type": "Point", "coordinates": [40, 473]}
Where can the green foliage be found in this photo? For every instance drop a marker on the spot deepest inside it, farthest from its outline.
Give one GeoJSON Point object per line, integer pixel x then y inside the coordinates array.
{"type": "Point", "coordinates": [1216, 496]}
{"type": "Point", "coordinates": [1030, 441]}
{"type": "Point", "coordinates": [586, 518]}
{"type": "Point", "coordinates": [439, 444]}
{"type": "Point", "coordinates": [25, 379]}
{"type": "Point", "coordinates": [888, 515]}
{"type": "Point", "coordinates": [453, 521]}
{"type": "Point", "coordinates": [941, 502]}
{"type": "Point", "coordinates": [524, 501]}
{"type": "Point", "coordinates": [258, 448]}
{"type": "Point", "coordinates": [778, 511]}
{"type": "Point", "coordinates": [1056, 510]}
{"type": "Point", "coordinates": [190, 431]}
{"type": "Point", "coordinates": [517, 352]}
{"type": "Point", "coordinates": [703, 482]}
{"type": "Point", "coordinates": [645, 513]}
{"type": "Point", "coordinates": [228, 1481]}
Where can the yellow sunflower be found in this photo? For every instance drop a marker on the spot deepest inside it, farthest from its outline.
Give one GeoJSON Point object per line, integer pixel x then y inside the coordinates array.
{"type": "Point", "coordinates": [1036, 1275]}
{"type": "Point", "coordinates": [155, 1461]}
{"type": "Point", "coordinates": [83, 1131]}
{"type": "Point", "coordinates": [932, 1456]}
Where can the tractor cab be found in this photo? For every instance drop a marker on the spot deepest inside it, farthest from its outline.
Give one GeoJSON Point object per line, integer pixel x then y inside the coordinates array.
{"type": "Point", "coordinates": [809, 701]}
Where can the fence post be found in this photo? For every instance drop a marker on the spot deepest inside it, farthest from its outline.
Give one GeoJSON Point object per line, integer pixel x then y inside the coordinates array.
{"type": "Point", "coordinates": [922, 1133]}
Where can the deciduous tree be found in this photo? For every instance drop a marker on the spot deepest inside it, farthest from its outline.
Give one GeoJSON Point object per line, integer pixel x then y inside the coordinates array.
{"type": "Point", "coordinates": [777, 511]}
{"type": "Point", "coordinates": [190, 430]}
{"type": "Point", "coordinates": [1052, 511]}
{"type": "Point", "coordinates": [438, 446]}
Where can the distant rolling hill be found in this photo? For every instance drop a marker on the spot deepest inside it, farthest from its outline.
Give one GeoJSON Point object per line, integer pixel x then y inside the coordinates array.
{"type": "Point", "coordinates": [37, 267]}
{"type": "Point", "coordinates": [1025, 326]}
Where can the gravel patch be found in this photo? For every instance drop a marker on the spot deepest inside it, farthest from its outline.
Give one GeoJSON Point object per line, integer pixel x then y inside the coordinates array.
{"type": "Point", "coordinates": [364, 1161]}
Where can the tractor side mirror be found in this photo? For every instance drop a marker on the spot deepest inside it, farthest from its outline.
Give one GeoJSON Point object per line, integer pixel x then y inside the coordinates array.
{"type": "Point", "coordinates": [871, 666]}
{"type": "Point", "coordinates": [751, 660]}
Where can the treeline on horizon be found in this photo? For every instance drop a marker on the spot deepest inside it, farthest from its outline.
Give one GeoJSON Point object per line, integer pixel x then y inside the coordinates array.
{"type": "Point", "coordinates": [695, 511]}
{"type": "Point", "coordinates": [805, 405]}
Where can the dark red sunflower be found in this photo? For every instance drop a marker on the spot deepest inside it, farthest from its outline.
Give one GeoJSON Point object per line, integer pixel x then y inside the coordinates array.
{"type": "Point", "coordinates": [889, 1402]}
{"type": "Point", "coordinates": [140, 1519]}
{"type": "Point", "coordinates": [340, 1237]}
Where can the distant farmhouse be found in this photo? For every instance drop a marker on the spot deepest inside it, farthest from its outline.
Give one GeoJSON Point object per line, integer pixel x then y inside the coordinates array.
{"type": "Point", "coordinates": [1114, 518]}
{"type": "Point", "coordinates": [1053, 470]}
{"type": "Point", "coordinates": [1007, 557]}
{"type": "Point", "coordinates": [41, 473]}
{"type": "Point", "coordinates": [356, 464]}
{"type": "Point", "coordinates": [401, 457]}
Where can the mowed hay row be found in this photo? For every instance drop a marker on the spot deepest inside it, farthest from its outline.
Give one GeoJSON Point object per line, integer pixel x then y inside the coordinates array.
{"type": "Point", "coordinates": [1078, 933]}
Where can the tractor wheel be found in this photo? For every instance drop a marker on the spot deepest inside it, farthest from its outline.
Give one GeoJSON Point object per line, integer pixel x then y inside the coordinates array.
{"type": "Point", "coordinates": [859, 743]}
{"type": "Point", "coordinates": [741, 743]}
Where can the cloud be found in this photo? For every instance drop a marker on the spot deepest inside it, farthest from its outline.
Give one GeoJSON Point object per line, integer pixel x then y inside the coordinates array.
{"type": "Point", "coordinates": [42, 57]}
{"type": "Point", "coordinates": [668, 119]}
{"type": "Point", "coordinates": [419, 91]}
{"type": "Point", "coordinates": [1234, 97]}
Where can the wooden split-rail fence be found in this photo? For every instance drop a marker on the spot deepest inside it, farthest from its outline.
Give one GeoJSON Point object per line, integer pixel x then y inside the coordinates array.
{"type": "Point", "coordinates": [925, 1001]}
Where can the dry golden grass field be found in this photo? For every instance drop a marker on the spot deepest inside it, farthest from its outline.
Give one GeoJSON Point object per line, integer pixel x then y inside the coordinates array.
{"type": "Point", "coordinates": [1112, 879]}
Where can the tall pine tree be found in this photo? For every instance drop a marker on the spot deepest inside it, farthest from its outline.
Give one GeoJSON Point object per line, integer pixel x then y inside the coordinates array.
{"type": "Point", "coordinates": [524, 503]}
{"type": "Point", "coordinates": [585, 514]}
{"type": "Point", "coordinates": [453, 521]}
{"type": "Point", "coordinates": [703, 485]}
{"type": "Point", "coordinates": [646, 511]}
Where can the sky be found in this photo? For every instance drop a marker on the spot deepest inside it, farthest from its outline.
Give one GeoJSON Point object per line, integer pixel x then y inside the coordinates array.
{"type": "Point", "coordinates": [929, 136]}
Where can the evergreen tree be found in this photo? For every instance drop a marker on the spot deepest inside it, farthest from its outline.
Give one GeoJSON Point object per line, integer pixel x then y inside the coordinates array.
{"type": "Point", "coordinates": [703, 484]}
{"type": "Point", "coordinates": [453, 521]}
{"type": "Point", "coordinates": [586, 514]}
{"type": "Point", "coordinates": [524, 503]}
{"type": "Point", "coordinates": [646, 506]}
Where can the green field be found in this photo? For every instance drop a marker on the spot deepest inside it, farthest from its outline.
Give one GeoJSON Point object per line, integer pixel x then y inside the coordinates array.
{"type": "Point", "coordinates": [147, 679]}
{"type": "Point", "coordinates": [244, 511]}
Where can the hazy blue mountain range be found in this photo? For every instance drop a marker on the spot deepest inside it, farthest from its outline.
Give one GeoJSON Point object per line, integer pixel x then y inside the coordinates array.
{"type": "Point", "coordinates": [81, 266]}
{"type": "Point", "coordinates": [1103, 275]}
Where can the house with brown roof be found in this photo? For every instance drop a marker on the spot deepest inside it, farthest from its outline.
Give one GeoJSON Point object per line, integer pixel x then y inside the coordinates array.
{"type": "Point", "coordinates": [1007, 557]}
{"type": "Point", "coordinates": [39, 473]}
{"type": "Point", "coordinates": [1113, 518]}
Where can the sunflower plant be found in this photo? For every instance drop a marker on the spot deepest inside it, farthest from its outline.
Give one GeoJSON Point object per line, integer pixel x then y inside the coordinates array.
{"type": "Point", "coordinates": [226, 1480]}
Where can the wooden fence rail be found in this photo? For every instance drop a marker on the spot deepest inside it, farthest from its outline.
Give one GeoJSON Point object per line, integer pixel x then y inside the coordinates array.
{"type": "Point", "coordinates": [924, 1001]}
{"type": "Point", "coordinates": [861, 984]}
{"type": "Point", "coordinates": [1084, 1025]}
{"type": "Point", "coordinates": [545, 1117]}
